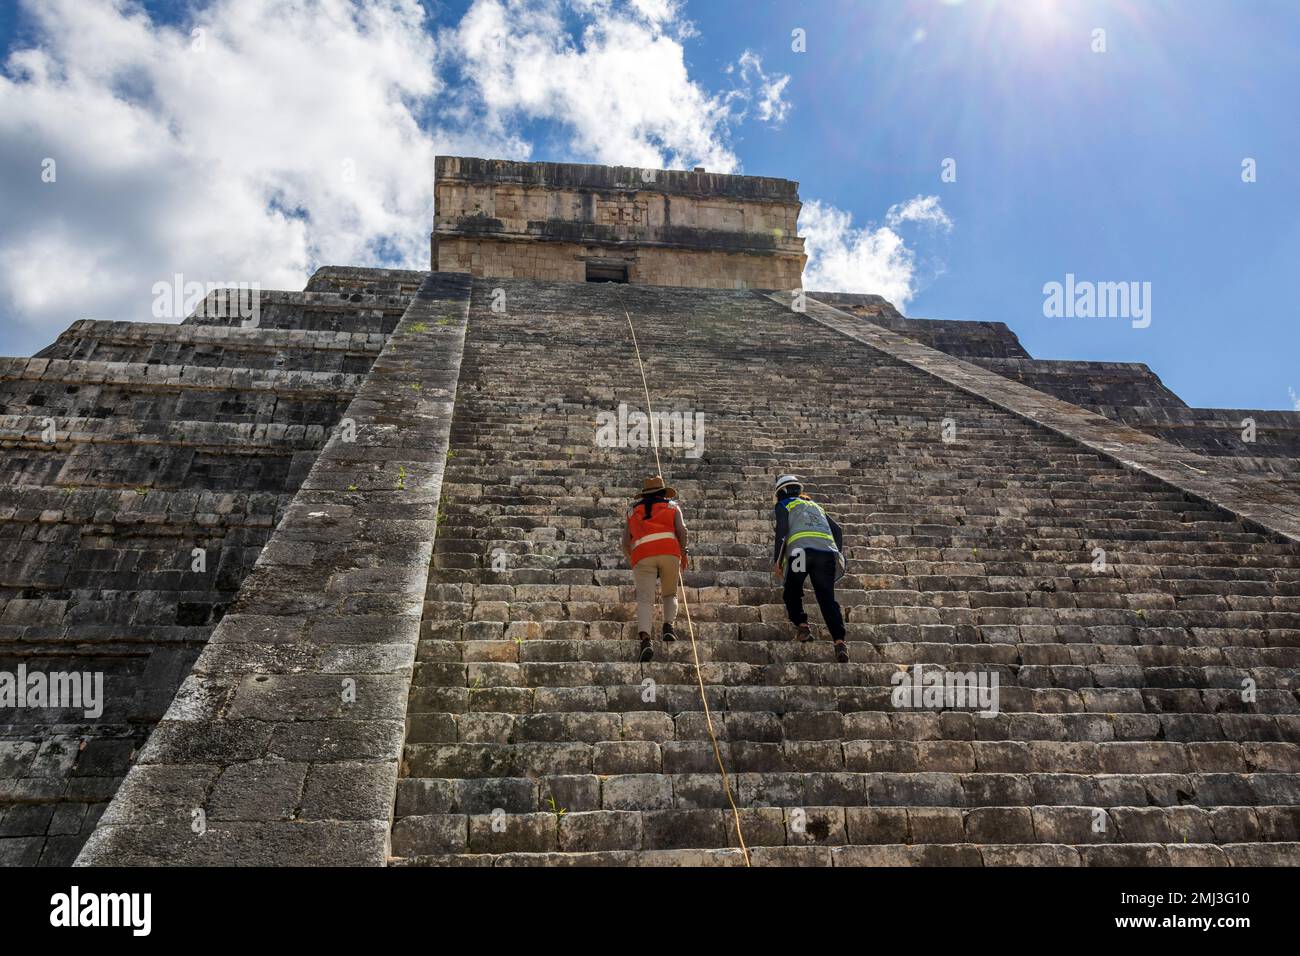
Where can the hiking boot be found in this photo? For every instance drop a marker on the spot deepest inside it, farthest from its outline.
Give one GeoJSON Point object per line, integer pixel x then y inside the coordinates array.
{"type": "Point", "coordinates": [647, 652]}
{"type": "Point", "coordinates": [802, 633]}
{"type": "Point", "coordinates": [669, 633]}
{"type": "Point", "coordinates": [841, 652]}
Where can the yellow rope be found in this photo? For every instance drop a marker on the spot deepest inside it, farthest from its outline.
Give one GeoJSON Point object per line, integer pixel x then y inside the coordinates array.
{"type": "Point", "coordinates": [654, 439]}
{"type": "Point", "coordinates": [686, 606]}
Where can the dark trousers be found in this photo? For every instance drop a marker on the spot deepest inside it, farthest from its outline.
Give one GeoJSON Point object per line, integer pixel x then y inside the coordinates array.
{"type": "Point", "coordinates": [821, 566]}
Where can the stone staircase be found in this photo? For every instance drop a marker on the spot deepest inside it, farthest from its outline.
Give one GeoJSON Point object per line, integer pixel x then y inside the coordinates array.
{"type": "Point", "coordinates": [1258, 442]}
{"type": "Point", "coordinates": [1148, 708]}
{"type": "Point", "coordinates": [127, 446]}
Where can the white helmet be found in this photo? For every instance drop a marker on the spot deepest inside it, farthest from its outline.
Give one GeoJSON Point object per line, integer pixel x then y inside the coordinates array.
{"type": "Point", "coordinates": [786, 480]}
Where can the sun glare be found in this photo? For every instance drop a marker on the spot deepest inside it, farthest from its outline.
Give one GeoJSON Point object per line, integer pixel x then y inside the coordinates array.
{"type": "Point", "coordinates": [1029, 17]}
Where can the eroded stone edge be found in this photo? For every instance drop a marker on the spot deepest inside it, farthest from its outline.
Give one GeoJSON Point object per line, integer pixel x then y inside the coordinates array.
{"type": "Point", "coordinates": [244, 713]}
{"type": "Point", "coordinates": [1258, 502]}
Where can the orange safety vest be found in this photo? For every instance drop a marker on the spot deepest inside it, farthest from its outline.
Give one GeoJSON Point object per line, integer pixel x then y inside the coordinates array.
{"type": "Point", "coordinates": [654, 535]}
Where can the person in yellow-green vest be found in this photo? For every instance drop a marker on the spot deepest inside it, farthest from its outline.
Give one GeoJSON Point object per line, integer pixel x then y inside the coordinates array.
{"type": "Point", "coordinates": [809, 545]}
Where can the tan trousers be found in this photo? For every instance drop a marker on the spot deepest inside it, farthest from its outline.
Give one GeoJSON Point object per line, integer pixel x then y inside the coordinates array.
{"type": "Point", "coordinates": [664, 567]}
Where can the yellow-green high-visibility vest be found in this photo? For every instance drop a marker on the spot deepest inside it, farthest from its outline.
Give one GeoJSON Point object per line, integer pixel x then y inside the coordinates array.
{"type": "Point", "coordinates": [809, 528]}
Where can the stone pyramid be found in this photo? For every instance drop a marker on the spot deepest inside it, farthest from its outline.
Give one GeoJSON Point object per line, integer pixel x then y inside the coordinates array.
{"type": "Point", "coordinates": [411, 639]}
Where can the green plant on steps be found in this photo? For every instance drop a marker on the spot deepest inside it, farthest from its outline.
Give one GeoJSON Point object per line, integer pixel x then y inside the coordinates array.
{"type": "Point", "coordinates": [557, 810]}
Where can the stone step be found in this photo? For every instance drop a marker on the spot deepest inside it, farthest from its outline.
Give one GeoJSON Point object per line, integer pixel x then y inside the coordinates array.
{"type": "Point", "coordinates": [63, 388]}
{"type": "Point", "coordinates": [137, 506]}
{"type": "Point", "coordinates": [835, 826]}
{"type": "Point", "coordinates": [65, 552]}
{"type": "Point", "coordinates": [1222, 741]}
{"type": "Point", "coordinates": [25, 430]}
{"type": "Point", "coordinates": [899, 855]}
{"type": "Point", "coordinates": [53, 641]}
{"type": "Point", "coordinates": [1065, 664]}
{"type": "Point", "coordinates": [683, 696]}
{"type": "Point", "coordinates": [352, 280]}
{"type": "Point", "coordinates": [1023, 688]}
{"type": "Point", "coordinates": [586, 790]}
{"type": "Point", "coordinates": [1110, 621]}
{"type": "Point", "coordinates": [1010, 598]}
{"type": "Point", "coordinates": [41, 452]}
{"type": "Point", "coordinates": [534, 741]}
{"type": "Point", "coordinates": [212, 346]}
{"type": "Point", "coordinates": [323, 311]}
{"type": "Point", "coordinates": [575, 788]}
{"type": "Point", "coordinates": [166, 597]}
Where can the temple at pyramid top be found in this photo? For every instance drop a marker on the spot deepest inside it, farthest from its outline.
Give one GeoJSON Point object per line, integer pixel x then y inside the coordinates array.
{"type": "Point", "coordinates": [574, 222]}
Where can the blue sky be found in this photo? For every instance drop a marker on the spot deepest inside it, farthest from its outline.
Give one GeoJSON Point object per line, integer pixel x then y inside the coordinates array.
{"type": "Point", "coordinates": [1122, 165]}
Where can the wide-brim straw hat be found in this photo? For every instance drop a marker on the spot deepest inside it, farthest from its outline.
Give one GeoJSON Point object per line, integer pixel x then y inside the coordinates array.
{"type": "Point", "coordinates": [656, 486]}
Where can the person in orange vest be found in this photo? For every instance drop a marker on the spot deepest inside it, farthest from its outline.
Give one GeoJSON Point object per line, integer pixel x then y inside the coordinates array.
{"type": "Point", "coordinates": [654, 543]}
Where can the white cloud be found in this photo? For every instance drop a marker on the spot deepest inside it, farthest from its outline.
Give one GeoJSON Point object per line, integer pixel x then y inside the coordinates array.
{"type": "Point", "coordinates": [301, 134]}
{"type": "Point", "coordinates": [771, 106]}
{"type": "Point", "coordinates": [919, 209]}
{"type": "Point", "coordinates": [657, 11]}
{"type": "Point", "coordinates": [661, 12]}
{"type": "Point", "coordinates": [282, 136]}
{"type": "Point", "coordinates": [621, 88]}
{"type": "Point", "coordinates": [875, 259]}
{"type": "Point", "coordinates": [1295, 399]}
